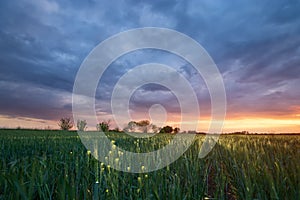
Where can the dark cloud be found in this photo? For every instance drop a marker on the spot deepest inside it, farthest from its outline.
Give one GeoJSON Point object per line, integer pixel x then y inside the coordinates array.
{"type": "Point", "coordinates": [150, 94]}
{"type": "Point", "coordinates": [42, 44]}
{"type": "Point", "coordinates": [26, 100]}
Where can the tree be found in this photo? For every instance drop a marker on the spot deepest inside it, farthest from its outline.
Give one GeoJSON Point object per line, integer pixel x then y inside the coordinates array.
{"type": "Point", "coordinates": [166, 129]}
{"type": "Point", "coordinates": [155, 129]}
{"type": "Point", "coordinates": [131, 126]}
{"type": "Point", "coordinates": [176, 130]}
{"type": "Point", "coordinates": [103, 126]}
{"type": "Point", "coordinates": [81, 125]}
{"type": "Point", "coordinates": [143, 126]}
{"type": "Point", "coordinates": [65, 123]}
{"type": "Point", "coordinates": [143, 123]}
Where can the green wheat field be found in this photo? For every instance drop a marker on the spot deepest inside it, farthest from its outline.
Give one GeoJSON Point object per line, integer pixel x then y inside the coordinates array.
{"type": "Point", "coordinates": [42, 164]}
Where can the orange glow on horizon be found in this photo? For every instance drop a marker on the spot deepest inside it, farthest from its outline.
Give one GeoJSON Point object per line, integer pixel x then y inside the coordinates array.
{"type": "Point", "coordinates": [254, 124]}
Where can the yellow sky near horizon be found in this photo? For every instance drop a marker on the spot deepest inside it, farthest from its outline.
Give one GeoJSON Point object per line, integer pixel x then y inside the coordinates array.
{"type": "Point", "coordinates": [253, 124]}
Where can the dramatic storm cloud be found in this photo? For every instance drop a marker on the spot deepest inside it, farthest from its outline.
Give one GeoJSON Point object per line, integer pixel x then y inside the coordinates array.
{"type": "Point", "coordinates": [255, 44]}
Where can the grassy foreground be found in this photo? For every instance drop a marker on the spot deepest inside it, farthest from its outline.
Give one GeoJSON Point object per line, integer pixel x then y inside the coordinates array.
{"type": "Point", "coordinates": [55, 165]}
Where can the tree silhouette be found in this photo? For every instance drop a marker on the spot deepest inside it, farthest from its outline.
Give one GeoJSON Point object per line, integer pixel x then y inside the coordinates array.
{"type": "Point", "coordinates": [176, 130]}
{"type": "Point", "coordinates": [103, 126]}
{"type": "Point", "coordinates": [65, 123]}
{"type": "Point", "coordinates": [81, 125]}
{"type": "Point", "coordinates": [143, 126]}
{"type": "Point", "coordinates": [166, 129]}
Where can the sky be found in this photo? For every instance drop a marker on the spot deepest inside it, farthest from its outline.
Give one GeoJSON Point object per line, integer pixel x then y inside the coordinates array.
{"type": "Point", "coordinates": [255, 45]}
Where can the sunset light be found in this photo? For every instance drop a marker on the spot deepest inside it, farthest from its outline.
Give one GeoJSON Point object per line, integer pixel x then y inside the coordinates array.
{"type": "Point", "coordinates": [158, 99]}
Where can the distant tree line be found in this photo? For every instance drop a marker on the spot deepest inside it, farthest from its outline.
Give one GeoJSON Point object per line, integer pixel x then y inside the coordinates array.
{"type": "Point", "coordinates": [143, 126]}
